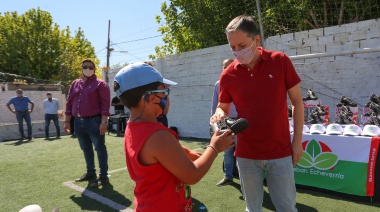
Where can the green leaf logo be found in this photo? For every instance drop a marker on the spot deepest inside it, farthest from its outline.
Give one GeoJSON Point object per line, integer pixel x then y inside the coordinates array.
{"type": "Point", "coordinates": [317, 154]}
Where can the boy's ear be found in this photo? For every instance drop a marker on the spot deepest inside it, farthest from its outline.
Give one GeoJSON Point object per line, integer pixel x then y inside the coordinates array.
{"type": "Point", "coordinates": [146, 97]}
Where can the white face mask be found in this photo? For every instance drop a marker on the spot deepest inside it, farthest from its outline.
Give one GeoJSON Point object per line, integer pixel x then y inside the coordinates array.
{"type": "Point", "coordinates": [88, 72]}
{"type": "Point", "coordinates": [19, 95]}
{"type": "Point", "coordinates": [244, 56]}
{"type": "Point", "coordinates": [48, 96]}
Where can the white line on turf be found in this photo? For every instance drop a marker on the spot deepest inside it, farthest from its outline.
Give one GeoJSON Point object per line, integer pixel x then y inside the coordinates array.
{"type": "Point", "coordinates": [102, 199]}
{"type": "Point", "coordinates": [97, 197]}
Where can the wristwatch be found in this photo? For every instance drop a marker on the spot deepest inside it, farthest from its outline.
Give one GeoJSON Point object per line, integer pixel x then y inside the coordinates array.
{"type": "Point", "coordinates": [104, 122]}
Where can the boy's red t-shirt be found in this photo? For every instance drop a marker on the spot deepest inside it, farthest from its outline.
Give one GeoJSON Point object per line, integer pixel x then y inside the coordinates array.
{"type": "Point", "coordinates": [156, 188]}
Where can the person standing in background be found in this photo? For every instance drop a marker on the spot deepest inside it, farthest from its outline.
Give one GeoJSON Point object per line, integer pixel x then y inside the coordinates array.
{"type": "Point", "coordinates": [119, 109]}
{"type": "Point", "coordinates": [20, 103]}
{"type": "Point", "coordinates": [228, 155]}
{"type": "Point", "coordinates": [88, 101]}
{"type": "Point", "coordinates": [118, 105]}
{"type": "Point", "coordinates": [258, 82]}
{"type": "Point", "coordinates": [51, 107]}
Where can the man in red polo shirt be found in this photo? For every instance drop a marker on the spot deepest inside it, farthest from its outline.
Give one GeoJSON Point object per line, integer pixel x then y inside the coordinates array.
{"type": "Point", "coordinates": [258, 82]}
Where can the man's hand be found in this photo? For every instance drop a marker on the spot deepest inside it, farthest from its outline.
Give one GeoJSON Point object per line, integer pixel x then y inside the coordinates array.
{"type": "Point", "coordinates": [66, 128]}
{"type": "Point", "coordinates": [103, 128]}
{"type": "Point", "coordinates": [297, 151]}
{"type": "Point", "coordinates": [218, 116]}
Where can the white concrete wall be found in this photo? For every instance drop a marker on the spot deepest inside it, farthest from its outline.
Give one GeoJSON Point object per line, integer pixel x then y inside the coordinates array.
{"type": "Point", "coordinates": [38, 114]}
{"type": "Point", "coordinates": [8, 122]}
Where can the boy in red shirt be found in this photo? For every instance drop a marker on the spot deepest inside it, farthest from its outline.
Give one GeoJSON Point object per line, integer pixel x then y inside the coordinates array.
{"type": "Point", "coordinates": [160, 166]}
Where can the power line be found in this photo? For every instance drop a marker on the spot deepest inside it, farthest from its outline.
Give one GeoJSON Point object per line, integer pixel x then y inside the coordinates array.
{"type": "Point", "coordinates": [136, 40]}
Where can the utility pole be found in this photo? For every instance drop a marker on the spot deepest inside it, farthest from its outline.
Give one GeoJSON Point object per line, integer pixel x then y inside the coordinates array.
{"type": "Point", "coordinates": [108, 52]}
{"type": "Point", "coordinates": [261, 24]}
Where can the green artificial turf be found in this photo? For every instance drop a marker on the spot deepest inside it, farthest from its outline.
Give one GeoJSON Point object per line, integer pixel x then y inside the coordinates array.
{"type": "Point", "coordinates": [34, 172]}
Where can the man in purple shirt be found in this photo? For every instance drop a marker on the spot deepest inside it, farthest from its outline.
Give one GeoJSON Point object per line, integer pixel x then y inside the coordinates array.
{"type": "Point", "coordinates": [88, 101]}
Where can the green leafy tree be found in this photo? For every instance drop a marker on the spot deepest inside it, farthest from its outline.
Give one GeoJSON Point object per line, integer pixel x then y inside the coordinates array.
{"type": "Point", "coordinates": [192, 24]}
{"type": "Point", "coordinates": [32, 45]}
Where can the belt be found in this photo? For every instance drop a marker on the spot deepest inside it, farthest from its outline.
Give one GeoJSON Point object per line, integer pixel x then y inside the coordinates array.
{"type": "Point", "coordinates": [21, 111]}
{"type": "Point", "coordinates": [86, 117]}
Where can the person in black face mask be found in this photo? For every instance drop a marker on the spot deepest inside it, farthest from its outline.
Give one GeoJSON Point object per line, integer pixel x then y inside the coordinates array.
{"type": "Point", "coordinates": [165, 103]}
{"type": "Point", "coordinates": [162, 169]}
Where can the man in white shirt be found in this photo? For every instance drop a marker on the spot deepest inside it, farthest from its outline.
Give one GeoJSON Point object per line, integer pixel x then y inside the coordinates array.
{"type": "Point", "coordinates": [51, 107]}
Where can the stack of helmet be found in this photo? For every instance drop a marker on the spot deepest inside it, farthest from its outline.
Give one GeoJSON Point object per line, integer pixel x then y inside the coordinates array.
{"type": "Point", "coordinates": [345, 114]}
{"type": "Point", "coordinates": [374, 110]}
{"type": "Point", "coordinates": [316, 115]}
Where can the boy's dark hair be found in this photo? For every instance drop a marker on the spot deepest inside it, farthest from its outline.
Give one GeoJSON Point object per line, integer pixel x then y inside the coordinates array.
{"type": "Point", "coordinates": [131, 98]}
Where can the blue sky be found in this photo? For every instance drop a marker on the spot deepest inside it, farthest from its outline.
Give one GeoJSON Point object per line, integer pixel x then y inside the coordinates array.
{"type": "Point", "coordinates": [131, 20]}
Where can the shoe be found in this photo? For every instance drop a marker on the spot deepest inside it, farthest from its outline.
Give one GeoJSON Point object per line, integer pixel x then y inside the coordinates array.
{"type": "Point", "coordinates": [86, 177]}
{"type": "Point", "coordinates": [374, 98]}
{"type": "Point", "coordinates": [28, 138]}
{"type": "Point", "coordinates": [310, 95]}
{"type": "Point", "coordinates": [100, 182]}
{"type": "Point", "coordinates": [374, 119]}
{"type": "Point", "coordinates": [374, 107]}
{"type": "Point", "coordinates": [290, 111]}
{"type": "Point", "coordinates": [224, 181]}
{"type": "Point", "coordinates": [58, 136]}
{"type": "Point", "coordinates": [236, 126]}
{"type": "Point", "coordinates": [347, 101]}
{"type": "Point", "coordinates": [367, 114]}
{"type": "Point", "coordinates": [346, 110]}
{"type": "Point", "coordinates": [321, 110]}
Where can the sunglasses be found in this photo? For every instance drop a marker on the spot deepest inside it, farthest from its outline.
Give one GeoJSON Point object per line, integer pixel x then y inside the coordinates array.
{"type": "Point", "coordinates": [165, 91]}
{"type": "Point", "coordinates": [89, 67]}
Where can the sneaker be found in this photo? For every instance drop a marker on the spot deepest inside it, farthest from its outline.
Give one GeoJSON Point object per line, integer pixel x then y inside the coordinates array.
{"type": "Point", "coordinates": [374, 119]}
{"type": "Point", "coordinates": [100, 182]}
{"type": "Point", "coordinates": [346, 110]}
{"type": "Point", "coordinates": [224, 181]}
{"type": "Point", "coordinates": [321, 110]}
{"type": "Point", "coordinates": [374, 98]}
{"type": "Point", "coordinates": [290, 111]}
{"type": "Point", "coordinates": [310, 95]}
{"type": "Point", "coordinates": [374, 107]}
{"type": "Point", "coordinates": [86, 177]}
{"type": "Point", "coordinates": [367, 114]}
{"type": "Point", "coordinates": [347, 101]}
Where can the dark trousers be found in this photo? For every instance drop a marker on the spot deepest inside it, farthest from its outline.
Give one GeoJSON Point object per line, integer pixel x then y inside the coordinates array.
{"type": "Point", "coordinates": [48, 118]}
{"type": "Point", "coordinates": [21, 115]}
{"type": "Point", "coordinates": [87, 131]}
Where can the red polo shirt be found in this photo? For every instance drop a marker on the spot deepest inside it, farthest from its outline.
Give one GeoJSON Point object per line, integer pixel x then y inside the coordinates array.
{"type": "Point", "coordinates": [260, 96]}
